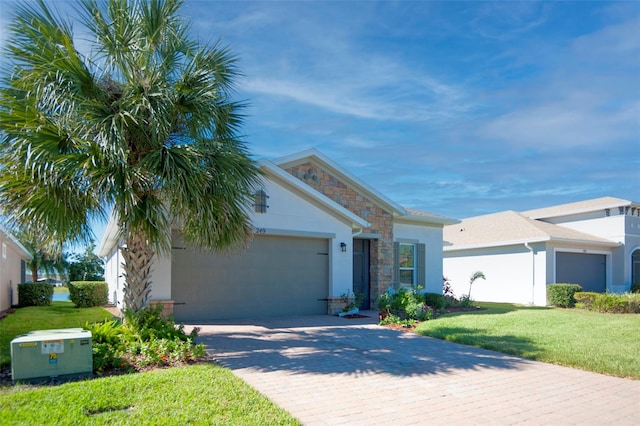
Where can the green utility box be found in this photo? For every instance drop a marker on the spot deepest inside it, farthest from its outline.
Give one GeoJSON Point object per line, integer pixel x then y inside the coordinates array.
{"type": "Point", "coordinates": [46, 355]}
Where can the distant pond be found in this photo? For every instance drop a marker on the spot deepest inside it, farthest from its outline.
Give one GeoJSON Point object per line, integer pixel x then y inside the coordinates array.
{"type": "Point", "coordinates": [60, 297]}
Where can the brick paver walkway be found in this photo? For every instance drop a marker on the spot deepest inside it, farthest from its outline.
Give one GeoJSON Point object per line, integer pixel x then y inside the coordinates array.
{"type": "Point", "coordinates": [332, 371]}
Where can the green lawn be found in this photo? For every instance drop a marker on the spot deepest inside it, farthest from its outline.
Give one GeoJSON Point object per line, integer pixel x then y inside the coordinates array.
{"type": "Point", "coordinates": [603, 343]}
{"type": "Point", "coordinates": [58, 315]}
{"type": "Point", "coordinates": [197, 394]}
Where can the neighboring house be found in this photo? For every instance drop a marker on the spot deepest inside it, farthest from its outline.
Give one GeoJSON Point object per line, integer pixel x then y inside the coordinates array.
{"type": "Point", "coordinates": [320, 232]}
{"type": "Point", "coordinates": [12, 268]}
{"type": "Point", "coordinates": [594, 243]}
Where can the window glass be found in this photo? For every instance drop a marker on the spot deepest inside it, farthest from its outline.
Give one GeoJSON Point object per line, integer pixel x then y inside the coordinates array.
{"type": "Point", "coordinates": [406, 276]}
{"type": "Point", "coordinates": [260, 202]}
{"type": "Point", "coordinates": [407, 255]}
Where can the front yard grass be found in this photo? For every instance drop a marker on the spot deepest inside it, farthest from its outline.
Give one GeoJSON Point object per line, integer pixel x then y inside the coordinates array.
{"type": "Point", "coordinates": [57, 315]}
{"type": "Point", "coordinates": [602, 343]}
{"type": "Point", "coordinates": [197, 394]}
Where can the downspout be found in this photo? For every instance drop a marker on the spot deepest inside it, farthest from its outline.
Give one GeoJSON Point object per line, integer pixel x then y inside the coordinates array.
{"type": "Point", "coordinates": [355, 234]}
{"type": "Point", "coordinates": [533, 273]}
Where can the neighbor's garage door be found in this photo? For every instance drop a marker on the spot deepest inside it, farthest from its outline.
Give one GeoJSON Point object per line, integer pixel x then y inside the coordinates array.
{"type": "Point", "coordinates": [588, 270]}
{"type": "Point", "coordinates": [274, 276]}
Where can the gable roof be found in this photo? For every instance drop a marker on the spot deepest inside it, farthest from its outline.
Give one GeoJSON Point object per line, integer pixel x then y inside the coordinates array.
{"type": "Point", "coordinates": [579, 207]}
{"type": "Point", "coordinates": [276, 173]}
{"type": "Point", "coordinates": [357, 184]}
{"type": "Point", "coordinates": [510, 228]}
{"type": "Point", "coordinates": [15, 244]}
{"type": "Point", "coordinates": [315, 156]}
{"type": "Point", "coordinates": [417, 216]}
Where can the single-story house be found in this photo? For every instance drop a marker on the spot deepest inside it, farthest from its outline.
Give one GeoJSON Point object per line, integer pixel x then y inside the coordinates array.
{"type": "Point", "coordinates": [594, 243]}
{"type": "Point", "coordinates": [12, 268]}
{"type": "Point", "coordinates": [320, 232]}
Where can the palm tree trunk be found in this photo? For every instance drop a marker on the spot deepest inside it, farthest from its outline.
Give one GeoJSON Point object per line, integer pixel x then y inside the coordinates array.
{"type": "Point", "coordinates": [34, 271]}
{"type": "Point", "coordinates": [138, 258]}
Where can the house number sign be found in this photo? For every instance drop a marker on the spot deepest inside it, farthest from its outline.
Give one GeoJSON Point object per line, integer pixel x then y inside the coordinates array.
{"type": "Point", "coordinates": [261, 230]}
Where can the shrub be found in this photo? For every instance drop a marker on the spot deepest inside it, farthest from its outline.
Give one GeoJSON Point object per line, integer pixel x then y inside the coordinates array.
{"type": "Point", "coordinates": [146, 339]}
{"type": "Point", "coordinates": [35, 294]}
{"type": "Point", "coordinates": [400, 299]}
{"type": "Point", "coordinates": [108, 345]}
{"type": "Point", "coordinates": [390, 319]}
{"type": "Point", "coordinates": [396, 320]}
{"type": "Point", "coordinates": [86, 294]}
{"type": "Point", "coordinates": [633, 299]}
{"type": "Point", "coordinates": [162, 352]}
{"type": "Point", "coordinates": [149, 324]}
{"type": "Point", "coordinates": [627, 303]}
{"type": "Point", "coordinates": [562, 295]}
{"type": "Point", "coordinates": [413, 309]}
{"type": "Point", "coordinates": [435, 300]}
{"type": "Point", "coordinates": [466, 302]}
{"type": "Point", "coordinates": [584, 299]}
{"type": "Point", "coordinates": [635, 288]}
{"type": "Point", "coordinates": [384, 302]}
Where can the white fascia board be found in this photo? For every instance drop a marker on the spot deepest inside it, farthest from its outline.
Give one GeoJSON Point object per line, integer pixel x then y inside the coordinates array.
{"type": "Point", "coordinates": [496, 244]}
{"type": "Point", "coordinates": [452, 248]}
{"type": "Point", "coordinates": [18, 245]}
{"type": "Point", "coordinates": [110, 237]}
{"type": "Point", "coordinates": [344, 174]}
{"type": "Point", "coordinates": [609, 244]}
{"type": "Point", "coordinates": [613, 205]}
{"type": "Point", "coordinates": [330, 205]}
{"type": "Point", "coordinates": [425, 220]}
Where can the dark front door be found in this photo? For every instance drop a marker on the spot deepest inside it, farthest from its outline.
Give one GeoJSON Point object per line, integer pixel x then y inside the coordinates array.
{"type": "Point", "coordinates": [361, 271]}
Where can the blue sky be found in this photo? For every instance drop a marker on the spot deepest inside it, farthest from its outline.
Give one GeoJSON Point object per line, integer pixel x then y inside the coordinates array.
{"type": "Point", "coordinates": [457, 108]}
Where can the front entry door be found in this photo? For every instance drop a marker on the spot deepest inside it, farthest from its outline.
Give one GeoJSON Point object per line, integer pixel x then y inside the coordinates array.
{"type": "Point", "coordinates": [361, 271]}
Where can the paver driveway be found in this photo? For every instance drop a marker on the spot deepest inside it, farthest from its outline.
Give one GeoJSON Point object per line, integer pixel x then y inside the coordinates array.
{"type": "Point", "coordinates": [327, 370]}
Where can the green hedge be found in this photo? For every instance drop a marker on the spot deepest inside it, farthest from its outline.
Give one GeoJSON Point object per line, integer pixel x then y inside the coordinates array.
{"type": "Point", "coordinates": [86, 294]}
{"type": "Point", "coordinates": [561, 295]}
{"type": "Point", "coordinates": [35, 294]}
{"type": "Point", "coordinates": [628, 303]}
{"type": "Point", "coordinates": [435, 300]}
{"type": "Point", "coordinates": [584, 299]}
{"type": "Point", "coordinates": [635, 288]}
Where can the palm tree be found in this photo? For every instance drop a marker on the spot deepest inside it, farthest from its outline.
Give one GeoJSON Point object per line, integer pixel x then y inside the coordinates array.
{"type": "Point", "coordinates": [46, 254]}
{"type": "Point", "coordinates": [475, 276]}
{"type": "Point", "coordinates": [140, 121]}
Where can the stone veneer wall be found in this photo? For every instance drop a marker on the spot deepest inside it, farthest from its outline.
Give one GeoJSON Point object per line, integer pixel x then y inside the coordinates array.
{"type": "Point", "coordinates": [381, 250]}
{"type": "Point", "coordinates": [167, 306]}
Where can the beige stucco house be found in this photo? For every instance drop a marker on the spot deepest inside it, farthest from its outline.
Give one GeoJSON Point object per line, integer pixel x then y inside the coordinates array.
{"type": "Point", "coordinates": [12, 268]}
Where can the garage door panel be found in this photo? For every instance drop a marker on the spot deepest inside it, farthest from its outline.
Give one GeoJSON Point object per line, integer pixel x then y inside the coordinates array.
{"type": "Point", "coordinates": [588, 270]}
{"type": "Point", "coordinates": [274, 276]}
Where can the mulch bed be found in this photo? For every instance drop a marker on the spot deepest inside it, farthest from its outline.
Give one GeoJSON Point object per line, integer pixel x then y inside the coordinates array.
{"type": "Point", "coordinates": [412, 328]}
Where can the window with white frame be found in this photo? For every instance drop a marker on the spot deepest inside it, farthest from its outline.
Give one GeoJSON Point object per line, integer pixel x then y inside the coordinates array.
{"type": "Point", "coordinates": [406, 264]}
{"type": "Point", "coordinates": [409, 264]}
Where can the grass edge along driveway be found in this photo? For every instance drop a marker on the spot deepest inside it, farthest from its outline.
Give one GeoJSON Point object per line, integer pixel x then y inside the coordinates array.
{"type": "Point", "coordinates": [591, 341]}
{"type": "Point", "coordinates": [196, 394]}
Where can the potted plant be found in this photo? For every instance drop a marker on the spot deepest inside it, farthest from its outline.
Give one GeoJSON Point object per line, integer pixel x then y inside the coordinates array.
{"type": "Point", "coordinates": [351, 303]}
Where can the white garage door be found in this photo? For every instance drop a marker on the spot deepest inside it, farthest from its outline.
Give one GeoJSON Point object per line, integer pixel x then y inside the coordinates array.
{"type": "Point", "coordinates": [588, 270]}
{"type": "Point", "coordinates": [274, 276]}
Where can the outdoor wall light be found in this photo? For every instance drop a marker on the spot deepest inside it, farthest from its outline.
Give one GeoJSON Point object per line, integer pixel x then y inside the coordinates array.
{"type": "Point", "coordinates": [343, 247]}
